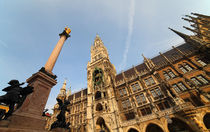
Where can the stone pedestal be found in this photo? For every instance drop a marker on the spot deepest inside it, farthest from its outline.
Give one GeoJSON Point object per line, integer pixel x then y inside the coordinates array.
{"type": "Point", "coordinates": [29, 115]}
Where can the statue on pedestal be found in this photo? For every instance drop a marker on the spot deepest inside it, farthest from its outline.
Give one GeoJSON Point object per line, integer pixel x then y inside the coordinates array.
{"type": "Point", "coordinates": [61, 119]}
{"type": "Point", "coordinates": [14, 97]}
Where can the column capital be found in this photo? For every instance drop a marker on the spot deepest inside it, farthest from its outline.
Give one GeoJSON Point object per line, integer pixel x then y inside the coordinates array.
{"type": "Point", "coordinates": [65, 34]}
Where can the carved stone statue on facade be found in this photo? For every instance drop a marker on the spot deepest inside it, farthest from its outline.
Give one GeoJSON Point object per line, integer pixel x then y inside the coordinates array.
{"type": "Point", "coordinates": [61, 119]}
{"type": "Point", "coordinates": [15, 96]}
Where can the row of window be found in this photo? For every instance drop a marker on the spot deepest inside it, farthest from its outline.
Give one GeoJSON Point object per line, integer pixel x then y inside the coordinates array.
{"type": "Point", "coordinates": [199, 80]}
{"type": "Point", "coordinates": [141, 99]}
{"type": "Point", "coordinates": [184, 67]}
{"type": "Point", "coordinates": [147, 110]}
{"type": "Point", "coordinates": [77, 107]}
{"type": "Point", "coordinates": [179, 87]}
{"type": "Point", "coordinates": [136, 87]}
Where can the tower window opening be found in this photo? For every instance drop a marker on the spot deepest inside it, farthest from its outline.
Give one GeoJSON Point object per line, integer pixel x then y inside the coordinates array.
{"type": "Point", "coordinates": [99, 107]}
{"type": "Point", "coordinates": [98, 95]}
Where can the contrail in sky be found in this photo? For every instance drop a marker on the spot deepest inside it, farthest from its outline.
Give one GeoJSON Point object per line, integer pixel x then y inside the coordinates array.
{"type": "Point", "coordinates": [130, 32]}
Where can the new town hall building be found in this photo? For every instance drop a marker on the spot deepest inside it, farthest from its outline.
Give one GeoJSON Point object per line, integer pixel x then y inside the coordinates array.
{"type": "Point", "coordinates": [167, 93]}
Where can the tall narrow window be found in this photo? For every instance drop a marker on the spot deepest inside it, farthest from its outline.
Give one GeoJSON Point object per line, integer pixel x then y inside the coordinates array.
{"type": "Point", "coordinates": [158, 92]}
{"type": "Point", "coordinates": [167, 77]}
{"type": "Point", "coordinates": [153, 93]}
{"type": "Point", "coordinates": [187, 66]}
{"type": "Point", "coordinates": [128, 103]}
{"type": "Point", "coordinates": [124, 105]}
{"type": "Point", "coordinates": [122, 92]}
{"type": "Point", "coordinates": [137, 86]}
{"type": "Point", "coordinates": [151, 80]}
{"type": "Point", "coordinates": [143, 98]}
{"type": "Point", "coordinates": [171, 74]}
{"type": "Point", "coordinates": [133, 87]}
{"type": "Point", "coordinates": [147, 82]}
{"type": "Point", "coordinates": [182, 86]}
{"type": "Point", "coordinates": [202, 79]}
{"type": "Point", "coordinates": [176, 88]}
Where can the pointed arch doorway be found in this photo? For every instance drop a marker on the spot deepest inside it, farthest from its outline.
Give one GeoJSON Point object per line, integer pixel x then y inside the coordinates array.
{"type": "Point", "coordinates": [132, 130]}
{"type": "Point", "coordinates": [153, 128]}
{"type": "Point", "coordinates": [206, 121]}
{"type": "Point", "coordinates": [101, 125]}
{"type": "Point", "coordinates": [178, 125]}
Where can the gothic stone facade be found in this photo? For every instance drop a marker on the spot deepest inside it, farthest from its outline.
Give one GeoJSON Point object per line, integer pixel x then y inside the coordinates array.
{"type": "Point", "coordinates": [167, 93]}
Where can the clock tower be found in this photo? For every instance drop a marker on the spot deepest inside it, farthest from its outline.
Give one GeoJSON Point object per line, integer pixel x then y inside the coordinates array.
{"type": "Point", "coordinates": [102, 106]}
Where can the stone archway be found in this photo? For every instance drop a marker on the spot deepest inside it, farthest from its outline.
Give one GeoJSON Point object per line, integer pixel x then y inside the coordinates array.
{"type": "Point", "coordinates": [101, 125]}
{"type": "Point", "coordinates": [153, 128]}
{"type": "Point", "coordinates": [132, 130]}
{"type": "Point", "coordinates": [178, 125]}
{"type": "Point", "coordinates": [206, 120]}
{"type": "Point", "coordinates": [99, 107]}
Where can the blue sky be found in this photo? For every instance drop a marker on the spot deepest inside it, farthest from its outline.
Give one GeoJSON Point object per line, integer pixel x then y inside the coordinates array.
{"type": "Point", "coordinates": [29, 31]}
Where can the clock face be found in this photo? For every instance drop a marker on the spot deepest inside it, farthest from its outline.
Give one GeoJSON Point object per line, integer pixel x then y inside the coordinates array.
{"type": "Point", "coordinates": [97, 76]}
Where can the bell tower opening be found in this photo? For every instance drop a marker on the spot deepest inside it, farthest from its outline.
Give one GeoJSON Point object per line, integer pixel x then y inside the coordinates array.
{"type": "Point", "coordinates": [99, 107]}
{"type": "Point", "coordinates": [98, 95]}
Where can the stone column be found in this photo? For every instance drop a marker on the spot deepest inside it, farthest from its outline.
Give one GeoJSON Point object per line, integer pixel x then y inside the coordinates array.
{"type": "Point", "coordinates": [29, 116]}
{"type": "Point", "coordinates": [55, 53]}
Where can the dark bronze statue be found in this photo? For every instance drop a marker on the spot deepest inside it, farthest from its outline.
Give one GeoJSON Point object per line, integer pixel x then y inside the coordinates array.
{"type": "Point", "coordinates": [61, 119]}
{"type": "Point", "coordinates": [15, 96]}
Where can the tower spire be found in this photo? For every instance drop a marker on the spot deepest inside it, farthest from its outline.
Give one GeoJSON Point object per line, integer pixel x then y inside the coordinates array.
{"type": "Point", "coordinates": [98, 50]}
{"type": "Point", "coordinates": [98, 41]}
{"type": "Point", "coordinates": [62, 93]}
{"type": "Point", "coordinates": [184, 36]}
{"type": "Point", "coordinates": [68, 92]}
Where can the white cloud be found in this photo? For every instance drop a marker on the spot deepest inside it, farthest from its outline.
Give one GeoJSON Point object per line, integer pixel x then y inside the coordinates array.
{"type": "Point", "coordinates": [130, 32]}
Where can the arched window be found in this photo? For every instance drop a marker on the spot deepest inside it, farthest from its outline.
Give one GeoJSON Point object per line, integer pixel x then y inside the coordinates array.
{"type": "Point", "coordinates": [99, 107]}
{"type": "Point", "coordinates": [98, 95]}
